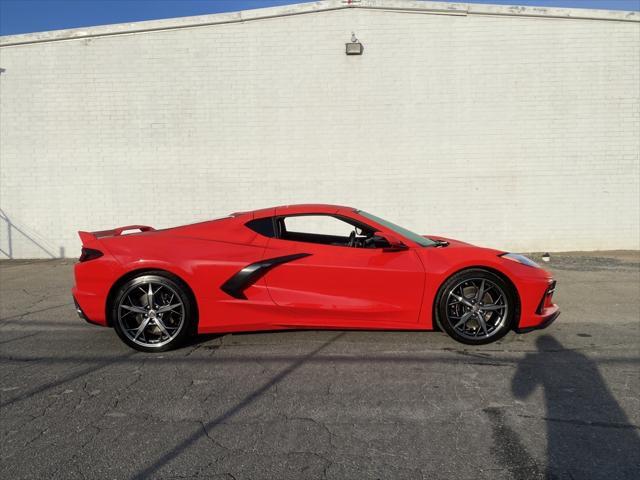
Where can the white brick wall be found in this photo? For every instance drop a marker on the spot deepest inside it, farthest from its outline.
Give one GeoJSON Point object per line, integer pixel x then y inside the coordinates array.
{"type": "Point", "coordinates": [512, 131]}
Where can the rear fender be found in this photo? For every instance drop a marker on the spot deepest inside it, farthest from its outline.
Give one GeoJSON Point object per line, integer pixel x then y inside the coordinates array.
{"type": "Point", "coordinates": [135, 271]}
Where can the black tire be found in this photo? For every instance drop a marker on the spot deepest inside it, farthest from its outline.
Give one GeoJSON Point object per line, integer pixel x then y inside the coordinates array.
{"type": "Point", "coordinates": [470, 278]}
{"type": "Point", "coordinates": [177, 324]}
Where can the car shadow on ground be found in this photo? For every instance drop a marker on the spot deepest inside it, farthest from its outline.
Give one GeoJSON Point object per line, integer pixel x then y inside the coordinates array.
{"type": "Point", "coordinates": [588, 434]}
{"type": "Point", "coordinates": [152, 469]}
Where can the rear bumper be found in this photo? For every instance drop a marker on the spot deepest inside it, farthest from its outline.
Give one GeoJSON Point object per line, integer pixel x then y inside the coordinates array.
{"type": "Point", "coordinates": [81, 313]}
{"type": "Point", "coordinates": [93, 279]}
{"type": "Point", "coordinates": [89, 307]}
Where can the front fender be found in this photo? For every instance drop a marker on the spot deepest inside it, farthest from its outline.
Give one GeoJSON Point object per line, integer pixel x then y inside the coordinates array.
{"type": "Point", "coordinates": [441, 263]}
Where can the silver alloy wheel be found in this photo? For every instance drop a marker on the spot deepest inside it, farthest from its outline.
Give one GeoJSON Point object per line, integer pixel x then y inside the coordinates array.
{"type": "Point", "coordinates": [477, 308]}
{"type": "Point", "coordinates": [151, 314]}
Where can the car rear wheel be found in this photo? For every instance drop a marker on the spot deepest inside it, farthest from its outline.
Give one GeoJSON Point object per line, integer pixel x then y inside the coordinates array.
{"type": "Point", "coordinates": [153, 312]}
{"type": "Point", "coordinates": [476, 307]}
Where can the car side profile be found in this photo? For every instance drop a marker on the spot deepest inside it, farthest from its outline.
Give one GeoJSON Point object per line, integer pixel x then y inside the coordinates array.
{"type": "Point", "coordinates": [302, 267]}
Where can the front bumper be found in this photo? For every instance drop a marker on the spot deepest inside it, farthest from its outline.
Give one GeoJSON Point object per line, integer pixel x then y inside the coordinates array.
{"type": "Point", "coordinates": [537, 309]}
{"type": "Point", "coordinates": [546, 321]}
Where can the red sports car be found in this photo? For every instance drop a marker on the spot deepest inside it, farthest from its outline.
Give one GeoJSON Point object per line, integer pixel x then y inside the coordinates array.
{"type": "Point", "coordinates": [303, 266]}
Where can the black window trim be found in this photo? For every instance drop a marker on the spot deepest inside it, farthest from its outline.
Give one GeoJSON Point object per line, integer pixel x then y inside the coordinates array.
{"type": "Point", "coordinates": [351, 221]}
{"type": "Point", "coordinates": [278, 222]}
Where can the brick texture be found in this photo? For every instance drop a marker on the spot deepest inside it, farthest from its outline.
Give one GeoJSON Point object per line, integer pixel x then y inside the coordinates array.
{"type": "Point", "coordinates": [513, 132]}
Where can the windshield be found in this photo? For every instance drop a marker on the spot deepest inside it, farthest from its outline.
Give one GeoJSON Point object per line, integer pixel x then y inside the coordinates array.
{"type": "Point", "coordinates": [419, 239]}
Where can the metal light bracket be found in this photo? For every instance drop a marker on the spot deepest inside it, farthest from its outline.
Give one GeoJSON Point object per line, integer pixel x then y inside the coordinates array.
{"type": "Point", "coordinates": [354, 47]}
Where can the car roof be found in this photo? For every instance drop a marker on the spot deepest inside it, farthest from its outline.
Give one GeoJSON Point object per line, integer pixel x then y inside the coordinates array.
{"type": "Point", "coordinates": [296, 209]}
{"type": "Point", "coordinates": [311, 207]}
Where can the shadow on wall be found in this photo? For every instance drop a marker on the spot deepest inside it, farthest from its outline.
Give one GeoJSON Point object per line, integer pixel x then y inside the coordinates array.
{"type": "Point", "coordinates": [588, 434]}
{"type": "Point", "coordinates": [14, 232]}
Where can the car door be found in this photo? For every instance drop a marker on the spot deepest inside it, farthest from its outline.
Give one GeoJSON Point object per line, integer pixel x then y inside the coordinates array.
{"type": "Point", "coordinates": [332, 284]}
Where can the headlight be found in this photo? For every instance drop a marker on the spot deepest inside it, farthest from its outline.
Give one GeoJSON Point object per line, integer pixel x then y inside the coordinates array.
{"type": "Point", "coordinates": [516, 257]}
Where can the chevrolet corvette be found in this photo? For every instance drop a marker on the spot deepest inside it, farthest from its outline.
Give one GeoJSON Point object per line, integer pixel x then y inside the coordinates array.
{"type": "Point", "coordinates": [302, 267]}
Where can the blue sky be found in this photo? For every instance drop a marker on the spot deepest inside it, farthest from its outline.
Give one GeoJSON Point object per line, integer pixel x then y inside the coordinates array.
{"type": "Point", "coordinates": [23, 16]}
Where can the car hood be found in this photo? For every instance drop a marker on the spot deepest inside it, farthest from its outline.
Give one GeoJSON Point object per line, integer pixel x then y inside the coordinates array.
{"type": "Point", "coordinates": [454, 244]}
{"type": "Point", "coordinates": [452, 241]}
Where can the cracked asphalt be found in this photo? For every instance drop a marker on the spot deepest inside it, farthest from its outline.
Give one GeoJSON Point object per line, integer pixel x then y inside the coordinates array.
{"type": "Point", "coordinates": [560, 403]}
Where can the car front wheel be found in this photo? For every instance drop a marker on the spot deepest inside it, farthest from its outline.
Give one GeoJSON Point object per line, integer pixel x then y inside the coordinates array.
{"type": "Point", "coordinates": [152, 312]}
{"type": "Point", "coordinates": [476, 307]}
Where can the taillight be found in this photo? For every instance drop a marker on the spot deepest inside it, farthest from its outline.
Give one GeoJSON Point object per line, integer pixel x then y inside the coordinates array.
{"type": "Point", "coordinates": [89, 254]}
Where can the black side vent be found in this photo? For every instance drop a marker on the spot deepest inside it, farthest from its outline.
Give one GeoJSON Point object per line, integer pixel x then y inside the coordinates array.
{"type": "Point", "coordinates": [238, 283]}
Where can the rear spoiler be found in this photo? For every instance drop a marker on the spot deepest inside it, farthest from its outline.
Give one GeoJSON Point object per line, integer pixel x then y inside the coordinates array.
{"type": "Point", "coordinates": [90, 237]}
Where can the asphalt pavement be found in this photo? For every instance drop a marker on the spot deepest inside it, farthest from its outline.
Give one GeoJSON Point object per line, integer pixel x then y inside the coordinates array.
{"type": "Point", "coordinates": [563, 403]}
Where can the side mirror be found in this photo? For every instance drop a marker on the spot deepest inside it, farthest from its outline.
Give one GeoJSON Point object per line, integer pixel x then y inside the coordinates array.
{"type": "Point", "coordinates": [390, 242]}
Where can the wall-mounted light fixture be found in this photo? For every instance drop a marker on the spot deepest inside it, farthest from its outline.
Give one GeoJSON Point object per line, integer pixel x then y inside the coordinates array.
{"type": "Point", "coordinates": [354, 47]}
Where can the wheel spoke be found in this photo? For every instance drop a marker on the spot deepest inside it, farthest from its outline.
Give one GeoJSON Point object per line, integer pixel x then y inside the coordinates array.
{"type": "Point", "coordinates": [168, 308]}
{"type": "Point", "coordinates": [173, 295]}
{"type": "Point", "coordinates": [480, 292]}
{"type": "Point", "coordinates": [162, 327]}
{"type": "Point", "coordinates": [133, 309]}
{"type": "Point", "coordinates": [150, 296]}
{"type": "Point", "coordinates": [482, 323]}
{"type": "Point", "coordinates": [463, 319]}
{"type": "Point", "coordinates": [492, 307]}
{"type": "Point", "coordinates": [141, 328]}
{"type": "Point", "coordinates": [461, 299]}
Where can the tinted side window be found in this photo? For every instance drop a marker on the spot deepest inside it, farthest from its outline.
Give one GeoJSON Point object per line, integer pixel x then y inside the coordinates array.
{"type": "Point", "coordinates": [263, 226]}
